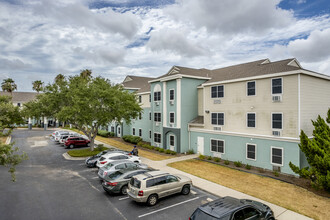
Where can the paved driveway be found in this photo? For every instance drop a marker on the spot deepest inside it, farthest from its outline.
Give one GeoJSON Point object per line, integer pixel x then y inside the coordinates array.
{"type": "Point", "coordinates": [50, 187]}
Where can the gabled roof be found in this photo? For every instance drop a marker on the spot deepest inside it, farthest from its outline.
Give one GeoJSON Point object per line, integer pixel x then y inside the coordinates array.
{"type": "Point", "coordinates": [138, 83]}
{"type": "Point", "coordinates": [21, 97]}
{"type": "Point", "coordinates": [175, 70]}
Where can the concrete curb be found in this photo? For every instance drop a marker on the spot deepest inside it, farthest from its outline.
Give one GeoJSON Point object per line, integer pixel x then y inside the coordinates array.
{"type": "Point", "coordinates": [68, 157]}
{"type": "Point", "coordinates": [8, 140]}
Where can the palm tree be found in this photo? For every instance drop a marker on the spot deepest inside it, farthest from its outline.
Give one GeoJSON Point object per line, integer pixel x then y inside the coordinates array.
{"type": "Point", "coordinates": [86, 74]}
{"type": "Point", "coordinates": [37, 85]}
{"type": "Point", "coordinates": [59, 79]}
{"type": "Point", "coordinates": [8, 85]}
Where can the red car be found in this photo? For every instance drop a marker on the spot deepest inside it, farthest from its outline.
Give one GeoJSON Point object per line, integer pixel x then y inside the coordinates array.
{"type": "Point", "coordinates": [76, 142]}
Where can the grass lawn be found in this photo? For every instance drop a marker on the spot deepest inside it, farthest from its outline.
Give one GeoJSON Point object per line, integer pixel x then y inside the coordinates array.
{"type": "Point", "coordinates": [283, 194]}
{"type": "Point", "coordinates": [3, 139]}
{"type": "Point", "coordinates": [86, 152]}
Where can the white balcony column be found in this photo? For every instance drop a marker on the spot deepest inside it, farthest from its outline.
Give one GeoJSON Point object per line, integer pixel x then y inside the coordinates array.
{"type": "Point", "coordinates": [45, 123]}
{"type": "Point", "coordinates": [30, 124]}
{"type": "Point", "coordinates": [57, 123]}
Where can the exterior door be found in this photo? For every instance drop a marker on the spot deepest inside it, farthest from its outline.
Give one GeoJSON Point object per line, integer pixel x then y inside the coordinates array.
{"type": "Point", "coordinates": [118, 131]}
{"type": "Point", "coordinates": [200, 145]}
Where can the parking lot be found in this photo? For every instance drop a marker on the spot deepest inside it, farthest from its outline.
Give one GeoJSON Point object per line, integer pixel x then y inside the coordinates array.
{"type": "Point", "coordinates": [50, 187]}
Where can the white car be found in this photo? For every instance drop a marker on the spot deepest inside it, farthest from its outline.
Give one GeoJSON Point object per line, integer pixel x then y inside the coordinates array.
{"type": "Point", "coordinates": [111, 157]}
{"type": "Point", "coordinates": [65, 136]}
{"type": "Point", "coordinates": [56, 132]}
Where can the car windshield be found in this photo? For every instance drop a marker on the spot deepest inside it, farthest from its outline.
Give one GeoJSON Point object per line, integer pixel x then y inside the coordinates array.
{"type": "Point", "coordinates": [135, 182]}
{"type": "Point", "coordinates": [108, 165]}
{"type": "Point", "coordinates": [199, 214]}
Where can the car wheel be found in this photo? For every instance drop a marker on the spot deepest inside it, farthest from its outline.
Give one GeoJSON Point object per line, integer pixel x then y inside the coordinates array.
{"type": "Point", "coordinates": [94, 165]}
{"type": "Point", "coordinates": [124, 190]}
{"type": "Point", "coordinates": [88, 144]}
{"type": "Point", "coordinates": [152, 200]}
{"type": "Point", "coordinates": [71, 146]}
{"type": "Point", "coordinates": [185, 190]}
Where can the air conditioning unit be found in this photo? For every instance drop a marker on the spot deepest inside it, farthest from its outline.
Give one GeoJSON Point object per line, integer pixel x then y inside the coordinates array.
{"type": "Point", "coordinates": [157, 123]}
{"type": "Point", "coordinates": [277, 98]}
{"type": "Point", "coordinates": [157, 103]}
{"type": "Point", "coordinates": [217, 128]}
{"type": "Point", "coordinates": [277, 168]}
{"type": "Point", "coordinates": [157, 144]}
{"type": "Point", "coordinates": [276, 133]}
{"type": "Point", "coordinates": [172, 102]}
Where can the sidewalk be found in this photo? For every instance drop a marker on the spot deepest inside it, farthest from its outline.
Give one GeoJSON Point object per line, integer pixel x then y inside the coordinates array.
{"type": "Point", "coordinates": [216, 189]}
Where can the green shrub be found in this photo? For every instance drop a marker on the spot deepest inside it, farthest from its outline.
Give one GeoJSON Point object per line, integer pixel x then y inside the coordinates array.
{"type": "Point", "coordinates": [238, 163]}
{"type": "Point", "coordinates": [156, 148]}
{"type": "Point", "coordinates": [151, 147]}
{"type": "Point", "coordinates": [202, 157]}
{"type": "Point", "coordinates": [276, 173]}
{"type": "Point", "coordinates": [103, 133]}
{"type": "Point", "coordinates": [99, 147]}
{"type": "Point", "coordinates": [140, 144]}
{"type": "Point", "coordinates": [209, 158]}
{"type": "Point", "coordinates": [173, 152]}
{"type": "Point", "coordinates": [216, 159]}
{"type": "Point", "coordinates": [247, 166]}
{"type": "Point", "coordinates": [132, 139]}
{"type": "Point", "coordinates": [168, 151]}
{"type": "Point", "coordinates": [227, 162]}
{"type": "Point", "coordinates": [112, 134]}
{"type": "Point", "coordinates": [190, 151]}
{"type": "Point", "coordinates": [161, 150]}
{"type": "Point", "coordinates": [261, 170]}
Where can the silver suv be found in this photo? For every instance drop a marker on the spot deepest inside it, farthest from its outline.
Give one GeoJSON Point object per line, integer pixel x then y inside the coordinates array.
{"type": "Point", "coordinates": [151, 186]}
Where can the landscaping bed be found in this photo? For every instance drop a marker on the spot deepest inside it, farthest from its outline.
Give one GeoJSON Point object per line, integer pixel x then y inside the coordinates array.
{"type": "Point", "coordinates": [86, 152]}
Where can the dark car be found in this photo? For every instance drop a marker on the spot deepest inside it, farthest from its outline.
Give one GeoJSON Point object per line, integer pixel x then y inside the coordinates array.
{"type": "Point", "coordinates": [76, 142]}
{"type": "Point", "coordinates": [117, 182]}
{"type": "Point", "coordinates": [229, 208]}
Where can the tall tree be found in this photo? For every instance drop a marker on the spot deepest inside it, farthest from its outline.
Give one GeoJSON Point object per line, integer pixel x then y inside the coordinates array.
{"type": "Point", "coordinates": [86, 74]}
{"type": "Point", "coordinates": [317, 152]}
{"type": "Point", "coordinates": [37, 85]}
{"type": "Point", "coordinates": [8, 85]}
{"type": "Point", "coordinates": [59, 79]}
{"type": "Point", "coordinates": [9, 114]}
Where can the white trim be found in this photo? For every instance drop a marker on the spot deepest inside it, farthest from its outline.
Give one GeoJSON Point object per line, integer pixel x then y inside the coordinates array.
{"type": "Point", "coordinates": [268, 137]}
{"type": "Point", "coordinates": [178, 103]}
{"type": "Point", "coordinates": [296, 61]}
{"type": "Point", "coordinates": [170, 118]}
{"type": "Point", "coordinates": [177, 76]}
{"type": "Point", "coordinates": [131, 88]}
{"type": "Point", "coordinates": [164, 105]}
{"type": "Point", "coordinates": [143, 93]}
{"type": "Point", "coordinates": [255, 151]}
{"type": "Point", "coordinates": [169, 94]}
{"type": "Point", "coordinates": [265, 61]}
{"type": "Point", "coordinates": [224, 146]}
{"type": "Point", "coordinates": [171, 135]}
{"type": "Point", "coordinates": [299, 105]}
{"type": "Point", "coordinates": [271, 156]}
{"type": "Point", "coordinates": [217, 124]}
{"type": "Point", "coordinates": [271, 121]}
{"type": "Point", "coordinates": [271, 86]}
{"type": "Point", "coordinates": [255, 119]}
{"type": "Point", "coordinates": [255, 88]}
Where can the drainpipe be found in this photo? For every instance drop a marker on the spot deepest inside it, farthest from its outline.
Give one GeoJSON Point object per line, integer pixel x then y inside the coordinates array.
{"type": "Point", "coordinates": [188, 138]}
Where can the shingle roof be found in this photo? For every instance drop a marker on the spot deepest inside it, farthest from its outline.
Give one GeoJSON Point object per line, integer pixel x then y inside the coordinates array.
{"type": "Point", "coordinates": [21, 97]}
{"type": "Point", "coordinates": [137, 82]}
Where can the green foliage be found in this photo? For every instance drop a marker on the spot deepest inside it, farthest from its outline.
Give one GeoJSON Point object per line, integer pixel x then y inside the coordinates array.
{"type": "Point", "coordinates": [190, 151]}
{"type": "Point", "coordinates": [132, 139]}
{"type": "Point", "coordinates": [112, 134]}
{"type": "Point", "coordinates": [100, 147]}
{"type": "Point", "coordinates": [10, 158]}
{"type": "Point", "coordinates": [248, 167]}
{"type": "Point", "coordinates": [238, 163]}
{"type": "Point", "coordinates": [8, 85]}
{"type": "Point", "coordinates": [37, 85]}
{"type": "Point", "coordinates": [161, 150]}
{"type": "Point", "coordinates": [209, 158]}
{"type": "Point", "coordinates": [276, 174]}
{"type": "Point", "coordinates": [86, 152]}
{"type": "Point", "coordinates": [168, 151]}
{"type": "Point", "coordinates": [202, 157]}
{"type": "Point", "coordinates": [317, 152]}
{"type": "Point", "coordinates": [227, 162]}
{"type": "Point", "coordinates": [217, 159]}
{"type": "Point", "coordinates": [173, 152]}
{"type": "Point", "coordinates": [103, 133]}
{"type": "Point", "coordinates": [9, 114]}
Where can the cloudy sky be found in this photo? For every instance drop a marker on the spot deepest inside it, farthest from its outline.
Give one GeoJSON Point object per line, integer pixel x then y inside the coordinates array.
{"type": "Point", "coordinates": [42, 38]}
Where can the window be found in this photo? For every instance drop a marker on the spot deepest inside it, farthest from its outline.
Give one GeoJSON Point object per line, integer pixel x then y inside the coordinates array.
{"type": "Point", "coordinates": [118, 130]}
{"type": "Point", "coordinates": [140, 116]}
{"type": "Point", "coordinates": [250, 212]}
{"type": "Point", "coordinates": [217, 118]}
{"type": "Point", "coordinates": [171, 117]}
{"type": "Point", "coordinates": [157, 116]}
{"type": "Point", "coordinates": [277, 86]}
{"type": "Point", "coordinates": [217, 91]}
{"type": "Point", "coordinates": [171, 140]}
{"type": "Point", "coordinates": [171, 179]}
{"type": "Point", "coordinates": [149, 115]}
{"type": "Point", "coordinates": [140, 132]}
{"type": "Point", "coordinates": [120, 166]}
{"type": "Point", "coordinates": [149, 97]}
{"type": "Point", "coordinates": [251, 151]}
{"type": "Point", "coordinates": [150, 134]}
{"type": "Point", "coordinates": [218, 146]}
{"type": "Point", "coordinates": [140, 99]}
{"type": "Point", "coordinates": [251, 120]}
{"type": "Point", "coordinates": [171, 94]}
{"type": "Point", "coordinates": [133, 131]}
{"type": "Point", "coordinates": [277, 120]}
{"type": "Point", "coordinates": [131, 165]}
{"type": "Point", "coordinates": [157, 137]}
{"type": "Point", "coordinates": [277, 156]}
{"type": "Point", "coordinates": [157, 96]}
{"type": "Point", "coordinates": [239, 215]}
{"type": "Point", "coordinates": [19, 104]}
{"type": "Point", "coordinates": [112, 129]}
{"type": "Point", "coordinates": [251, 88]}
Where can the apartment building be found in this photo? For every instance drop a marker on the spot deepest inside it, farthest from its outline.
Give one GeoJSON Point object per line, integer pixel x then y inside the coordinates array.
{"type": "Point", "coordinates": [251, 112]}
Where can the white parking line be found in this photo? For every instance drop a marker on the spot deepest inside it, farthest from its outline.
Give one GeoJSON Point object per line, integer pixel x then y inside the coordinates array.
{"type": "Point", "coordinates": [193, 192]}
{"type": "Point", "coordinates": [149, 213]}
{"type": "Point", "coordinates": [95, 177]}
{"type": "Point", "coordinates": [124, 198]}
{"type": "Point", "coordinates": [209, 199]}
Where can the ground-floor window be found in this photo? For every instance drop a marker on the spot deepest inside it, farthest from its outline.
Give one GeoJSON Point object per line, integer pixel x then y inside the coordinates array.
{"type": "Point", "coordinates": [277, 155]}
{"type": "Point", "coordinates": [251, 151]}
{"type": "Point", "coordinates": [157, 137]}
{"type": "Point", "coordinates": [171, 140]}
{"type": "Point", "coordinates": [133, 131]}
{"type": "Point", "coordinates": [150, 134]}
{"type": "Point", "coordinates": [112, 129]}
{"type": "Point", "coordinates": [218, 146]}
{"type": "Point", "coordinates": [140, 132]}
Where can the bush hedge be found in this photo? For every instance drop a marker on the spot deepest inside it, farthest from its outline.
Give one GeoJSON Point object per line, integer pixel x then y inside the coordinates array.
{"type": "Point", "coordinates": [103, 133]}
{"type": "Point", "coordinates": [132, 139]}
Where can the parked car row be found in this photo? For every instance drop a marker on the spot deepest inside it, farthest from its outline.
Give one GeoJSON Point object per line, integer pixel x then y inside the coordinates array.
{"type": "Point", "coordinates": [69, 139]}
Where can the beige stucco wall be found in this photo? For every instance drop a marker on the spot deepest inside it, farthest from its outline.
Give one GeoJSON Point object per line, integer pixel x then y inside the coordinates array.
{"type": "Point", "coordinates": [145, 101]}
{"type": "Point", "coordinates": [200, 102]}
{"type": "Point", "coordinates": [236, 104]}
{"type": "Point", "coordinates": [315, 100]}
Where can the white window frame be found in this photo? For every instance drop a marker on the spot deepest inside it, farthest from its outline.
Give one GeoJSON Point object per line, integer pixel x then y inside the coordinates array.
{"type": "Point", "coordinates": [160, 96]}
{"type": "Point", "coordinates": [271, 121]}
{"type": "Point", "coordinates": [160, 137]}
{"type": "Point", "coordinates": [160, 117]}
{"type": "Point", "coordinates": [170, 117]}
{"type": "Point", "coordinates": [255, 151]}
{"type": "Point", "coordinates": [217, 91]}
{"type": "Point", "coordinates": [255, 119]}
{"type": "Point", "coordinates": [133, 131]}
{"type": "Point", "coordinates": [271, 86]}
{"type": "Point", "coordinates": [255, 88]}
{"type": "Point", "coordinates": [169, 95]}
{"type": "Point", "coordinates": [224, 145]}
{"type": "Point", "coordinates": [271, 156]}
{"type": "Point", "coordinates": [223, 118]}
{"type": "Point", "coordinates": [171, 135]}
{"type": "Point", "coordinates": [140, 132]}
